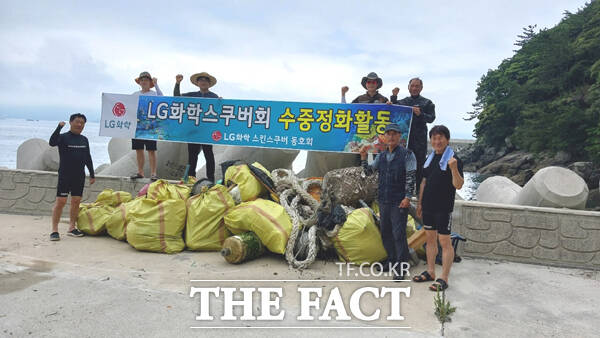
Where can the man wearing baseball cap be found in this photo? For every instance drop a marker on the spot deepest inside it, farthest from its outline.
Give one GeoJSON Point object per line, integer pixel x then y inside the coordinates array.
{"type": "Point", "coordinates": [396, 166]}
{"type": "Point", "coordinates": [204, 81]}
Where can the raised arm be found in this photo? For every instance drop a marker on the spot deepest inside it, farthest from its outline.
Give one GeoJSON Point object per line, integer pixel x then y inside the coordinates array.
{"type": "Point", "coordinates": [457, 174]}
{"type": "Point", "coordinates": [176, 91]}
{"type": "Point", "coordinates": [55, 138]}
{"type": "Point", "coordinates": [368, 168]}
{"type": "Point", "coordinates": [344, 91]}
{"type": "Point", "coordinates": [158, 91]}
{"type": "Point", "coordinates": [394, 97]}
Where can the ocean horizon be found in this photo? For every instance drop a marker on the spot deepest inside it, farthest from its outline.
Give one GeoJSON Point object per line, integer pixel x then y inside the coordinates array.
{"type": "Point", "coordinates": [13, 132]}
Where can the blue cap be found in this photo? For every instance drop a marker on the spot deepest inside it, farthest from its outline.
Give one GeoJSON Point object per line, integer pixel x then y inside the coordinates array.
{"type": "Point", "coordinates": [394, 127]}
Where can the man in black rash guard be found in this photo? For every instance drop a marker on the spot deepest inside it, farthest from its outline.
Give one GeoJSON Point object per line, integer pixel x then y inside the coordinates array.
{"type": "Point", "coordinates": [423, 113]}
{"type": "Point", "coordinates": [74, 154]}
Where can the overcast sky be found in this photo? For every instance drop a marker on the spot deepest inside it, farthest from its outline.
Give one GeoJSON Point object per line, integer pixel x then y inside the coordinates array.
{"type": "Point", "coordinates": [58, 57]}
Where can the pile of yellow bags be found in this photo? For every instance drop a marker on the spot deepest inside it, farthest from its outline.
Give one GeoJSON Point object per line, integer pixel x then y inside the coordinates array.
{"type": "Point", "coordinates": [205, 228]}
{"type": "Point", "coordinates": [156, 222]}
{"type": "Point", "coordinates": [92, 217]}
{"type": "Point", "coordinates": [250, 187]}
{"type": "Point", "coordinates": [358, 240]}
{"type": "Point", "coordinates": [267, 219]}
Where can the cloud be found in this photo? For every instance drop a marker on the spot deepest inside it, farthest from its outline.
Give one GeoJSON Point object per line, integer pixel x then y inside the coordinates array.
{"type": "Point", "coordinates": [61, 56]}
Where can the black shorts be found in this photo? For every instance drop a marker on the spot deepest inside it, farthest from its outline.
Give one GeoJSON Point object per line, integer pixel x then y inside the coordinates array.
{"type": "Point", "coordinates": [439, 221]}
{"type": "Point", "coordinates": [139, 144]}
{"type": "Point", "coordinates": [70, 184]}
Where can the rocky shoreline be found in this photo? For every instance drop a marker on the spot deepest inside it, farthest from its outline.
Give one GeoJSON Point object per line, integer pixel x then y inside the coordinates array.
{"type": "Point", "coordinates": [520, 166]}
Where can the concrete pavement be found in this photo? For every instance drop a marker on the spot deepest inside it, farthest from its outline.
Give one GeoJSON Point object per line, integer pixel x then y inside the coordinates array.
{"type": "Point", "coordinates": [97, 286]}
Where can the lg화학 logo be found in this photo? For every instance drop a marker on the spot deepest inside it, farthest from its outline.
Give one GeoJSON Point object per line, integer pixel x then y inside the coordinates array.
{"type": "Point", "coordinates": [118, 109]}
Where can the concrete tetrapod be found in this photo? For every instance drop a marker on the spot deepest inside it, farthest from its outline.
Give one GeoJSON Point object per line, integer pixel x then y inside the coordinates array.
{"type": "Point", "coordinates": [171, 158]}
{"type": "Point", "coordinates": [118, 147]}
{"type": "Point", "coordinates": [498, 189]}
{"type": "Point", "coordinates": [36, 154]}
{"type": "Point", "coordinates": [554, 187]}
{"type": "Point", "coordinates": [319, 163]}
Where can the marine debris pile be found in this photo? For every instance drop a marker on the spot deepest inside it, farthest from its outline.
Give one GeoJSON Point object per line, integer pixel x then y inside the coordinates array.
{"type": "Point", "coordinates": [251, 212]}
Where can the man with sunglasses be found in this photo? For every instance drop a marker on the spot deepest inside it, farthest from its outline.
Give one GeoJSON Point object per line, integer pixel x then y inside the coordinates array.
{"type": "Point", "coordinates": [371, 83]}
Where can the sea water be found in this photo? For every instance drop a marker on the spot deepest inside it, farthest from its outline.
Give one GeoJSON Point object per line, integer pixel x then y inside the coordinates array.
{"type": "Point", "coordinates": [13, 132]}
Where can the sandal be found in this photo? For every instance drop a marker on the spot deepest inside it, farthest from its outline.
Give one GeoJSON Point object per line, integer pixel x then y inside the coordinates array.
{"type": "Point", "coordinates": [438, 285]}
{"type": "Point", "coordinates": [423, 277]}
{"type": "Point", "coordinates": [136, 176]}
{"type": "Point", "coordinates": [153, 178]}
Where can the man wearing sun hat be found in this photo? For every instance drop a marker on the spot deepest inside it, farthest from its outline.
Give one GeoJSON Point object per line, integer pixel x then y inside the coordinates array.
{"type": "Point", "coordinates": [371, 83]}
{"type": "Point", "coordinates": [204, 81]}
{"type": "Point", "coordinates": [146, 81]}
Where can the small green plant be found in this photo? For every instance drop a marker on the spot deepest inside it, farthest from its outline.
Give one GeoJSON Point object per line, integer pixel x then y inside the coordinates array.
{"type": "Point", "coordinates": [443, 309]}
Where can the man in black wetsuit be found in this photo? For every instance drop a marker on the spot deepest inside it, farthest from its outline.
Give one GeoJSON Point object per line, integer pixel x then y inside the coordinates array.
{"type": "Point", "coordinates": [74, 154]}
{"type": "Point", "coordinates": [423, 113]}
{"type": "Point", "coordinates": [204, 81]}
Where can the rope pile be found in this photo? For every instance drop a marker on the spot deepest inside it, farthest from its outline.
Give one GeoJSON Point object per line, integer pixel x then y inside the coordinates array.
{"type": "Point", "coordinates": [302, 208]}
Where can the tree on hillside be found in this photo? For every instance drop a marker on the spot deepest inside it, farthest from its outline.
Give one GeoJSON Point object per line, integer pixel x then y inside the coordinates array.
{"type": "Point", "coordinates": [546, 97]}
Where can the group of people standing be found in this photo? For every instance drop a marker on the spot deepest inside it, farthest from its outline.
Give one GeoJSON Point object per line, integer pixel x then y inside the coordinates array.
{"type": "Point", "coordinates": [204, 81]}
{"type": "Point", "coordinates": [404, 173]}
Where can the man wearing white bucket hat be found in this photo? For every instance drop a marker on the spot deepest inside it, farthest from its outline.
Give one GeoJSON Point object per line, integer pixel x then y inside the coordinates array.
{"type": "Point", "coordinates": [146, 81]}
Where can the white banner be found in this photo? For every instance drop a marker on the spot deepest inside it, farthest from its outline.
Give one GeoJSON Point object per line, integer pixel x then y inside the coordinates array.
{"type": "Point", "coordinates": [119, 115]}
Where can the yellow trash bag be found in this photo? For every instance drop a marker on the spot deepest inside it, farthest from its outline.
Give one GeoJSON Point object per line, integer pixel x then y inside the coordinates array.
{"type": "Point", "coordinates": [267, 219]}
{"type": "Point", "coordinates": [113, 198]}
{"type": "Point", "coordinates": [205, 228]}
{"type": "Point", "coordinates": [358, 240]}
{"type": "Point", "coordinates": [250, 187]}
{"type": "Point", "coordinates": [161, 190]}
{"type": "Point", "coordinates": [157, 226]}
{"type": "Point", "coordinates": [116, 225]}
{"type": "Point", "coordinates": [411, 226]}
{"type": "Point", "coordinates": [92, 217]}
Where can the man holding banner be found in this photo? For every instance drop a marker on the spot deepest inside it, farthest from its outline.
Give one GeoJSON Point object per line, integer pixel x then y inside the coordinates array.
{"type": "Point", "coordinates": [396, 167]}
{"type": "Point", "coordinates": [322, 127]}
{"type": "Point", "coordinates": [146, 81]}
{"type": "Point", "coordinates": [204, 81]}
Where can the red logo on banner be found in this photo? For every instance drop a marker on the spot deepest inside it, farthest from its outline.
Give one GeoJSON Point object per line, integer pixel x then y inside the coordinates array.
{"type": "Point", "coordinates": [216, 136]}
{"type": "Point", "coordinates": [119, 109]}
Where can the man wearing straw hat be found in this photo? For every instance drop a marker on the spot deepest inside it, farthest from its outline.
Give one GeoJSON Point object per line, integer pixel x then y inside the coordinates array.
{"type": "Point", "coordinates": [146, 82]}
{"type": "Point", "coordinates": [204, 81]}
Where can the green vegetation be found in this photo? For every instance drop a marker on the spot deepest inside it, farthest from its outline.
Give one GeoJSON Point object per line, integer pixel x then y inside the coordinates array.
{"type": "Point", "coordinates": [443, 309]}
{"type": "Point", "coordinates": [546, 97]}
